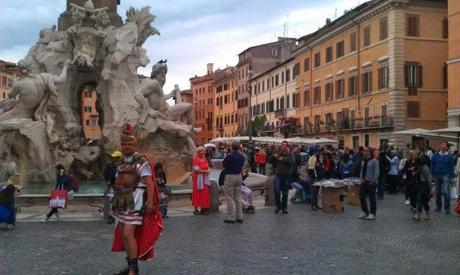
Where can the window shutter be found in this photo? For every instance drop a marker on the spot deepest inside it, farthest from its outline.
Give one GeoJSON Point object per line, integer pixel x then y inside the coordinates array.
{"type": "Point", "coordinates": [406, 75]}
{"type": "Point", "coordinates": [370, 81]}
{"type": "Point", "coordinates": [420, 76]}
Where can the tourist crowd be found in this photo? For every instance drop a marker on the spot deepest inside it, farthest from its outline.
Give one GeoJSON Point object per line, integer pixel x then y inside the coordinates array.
{"type": "Point", "coordinates": [419, 175]}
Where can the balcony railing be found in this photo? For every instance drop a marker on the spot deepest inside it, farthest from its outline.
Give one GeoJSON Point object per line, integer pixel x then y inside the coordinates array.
{"type": "Point", "coordinates": [279, 113]}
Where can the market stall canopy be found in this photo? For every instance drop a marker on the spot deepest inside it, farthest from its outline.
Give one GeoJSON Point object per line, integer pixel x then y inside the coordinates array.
{"type": "Point", "coordinates": [325, 141]}
{"type": "Point", "coordinates": [455, 131]}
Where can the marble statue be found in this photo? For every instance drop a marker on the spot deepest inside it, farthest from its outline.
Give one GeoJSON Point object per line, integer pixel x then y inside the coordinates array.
{"type": "Point", "coordinates": [41, 123]}
{"type": "Point", "coordinates": [32, 92]}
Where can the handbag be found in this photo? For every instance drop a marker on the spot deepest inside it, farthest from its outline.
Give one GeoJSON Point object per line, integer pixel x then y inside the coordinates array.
{"type": "Point", "coordinates": [457, 207]}
{"type": "Point", "coordinates": [58, 199]}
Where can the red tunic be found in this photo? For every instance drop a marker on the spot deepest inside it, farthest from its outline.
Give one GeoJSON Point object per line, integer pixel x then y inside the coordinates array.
{"type": "Point", "coordinates": [200, 198]}
{"type": "Point", "coordinates": [146, 234]}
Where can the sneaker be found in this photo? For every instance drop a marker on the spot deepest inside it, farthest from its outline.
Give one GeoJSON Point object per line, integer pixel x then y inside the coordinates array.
{"type": "Point", "coordinates": [363, 216]}
{"type": "Point", "coordinates": [45, 220]}
{"type": "Point", "coordinates": [407, 202]}
{"type": "Point", "coordinates": [277, 210]}
{"type": "Point", "coordinates": [285, 211]}
{"type": "Point", "coordinates": [371, 217]}
{"type": "Point", "coordinates": [416, 217]}
{"type": "Point", "coordinates": [10, 226]}
{"type": "Point", "coordinates": [229, 221]}
{"type": "Point", "coordinates": [427, 217]}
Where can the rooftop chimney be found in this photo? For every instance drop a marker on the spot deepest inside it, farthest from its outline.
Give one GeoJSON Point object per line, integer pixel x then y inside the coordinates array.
{"type": "Point", "coordinates": [210, 68]}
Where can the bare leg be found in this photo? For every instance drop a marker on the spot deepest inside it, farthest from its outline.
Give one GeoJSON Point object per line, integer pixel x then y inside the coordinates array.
{"type": "Point", "coordinates": [130, 241]}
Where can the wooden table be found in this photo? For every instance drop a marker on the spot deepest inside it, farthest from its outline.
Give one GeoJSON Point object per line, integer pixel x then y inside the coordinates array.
{"type": "Point", "coordinates": [333, 198]}
{"type": "Point", "coordinates": [353, 195]}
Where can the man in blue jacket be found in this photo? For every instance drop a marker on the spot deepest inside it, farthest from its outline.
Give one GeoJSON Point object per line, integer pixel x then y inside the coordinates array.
{"type": "Point", "coordinates": [442, 167]}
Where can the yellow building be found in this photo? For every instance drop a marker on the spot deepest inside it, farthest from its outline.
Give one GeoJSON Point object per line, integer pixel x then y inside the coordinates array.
{"type": "Point", "coordinates": [274, 95]}
{"type": "Point", "coordinates": [89, 113]}
{"type": "Point", "coordinates": [8, 70]}
{"type": "Point", "coordinates": [225, 86]}
{"type": "Point", "coordinates": [454, 63]}
{"type": "Point", "coordinates": [379, 68]}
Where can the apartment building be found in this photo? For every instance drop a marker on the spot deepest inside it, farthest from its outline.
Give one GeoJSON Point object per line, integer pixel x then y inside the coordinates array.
{"type": "Point", "coordinates": [89, 113]}
{"type": "Point", "coordinates": [252, 62]}
{"type": "Point", "coordinates": [377, 69]}
{"type": "Point", "coordinates": [202, 88]}
{"type": "Point", "coordinates": [454, 62]}
{"type": "Point", "coordinates": [225, 84]}
{"type": "Point", "coordinates": [274, 94]}
{"type": "Point", "coordinates": [8, 70]}
{"type": "Point", "coordinates": [186, 96]}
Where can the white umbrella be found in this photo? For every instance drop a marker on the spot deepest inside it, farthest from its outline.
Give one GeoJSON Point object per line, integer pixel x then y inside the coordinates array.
{"type": "Point", "coordinates": [450, 131]}
{"type": "Point", "coordinates": [413, 132]}
{"type": "Point", "coordinates": [326, 141]}
{"type": "Point", "coordinates": [207, 145]}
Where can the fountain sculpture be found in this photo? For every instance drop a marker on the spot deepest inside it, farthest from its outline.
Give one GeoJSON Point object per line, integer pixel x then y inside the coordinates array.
{"type": "Point", "coordinates": [40, 123]}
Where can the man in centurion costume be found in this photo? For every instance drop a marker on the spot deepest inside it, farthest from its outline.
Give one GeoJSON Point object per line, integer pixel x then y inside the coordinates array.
{"type": "Point", "coordinates": [135, 205]}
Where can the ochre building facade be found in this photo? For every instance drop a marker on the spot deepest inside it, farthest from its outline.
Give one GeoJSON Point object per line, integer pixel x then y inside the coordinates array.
{"type": "Point", "coordinates": [454, 63]}
{"type": "Point", "coordinates": [379, 68]}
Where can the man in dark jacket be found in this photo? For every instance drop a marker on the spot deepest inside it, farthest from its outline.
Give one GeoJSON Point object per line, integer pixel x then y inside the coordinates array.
{"type": "Point", "coordinates": [357, 160]}
{"type": "Point", "coordinates": [110, 174]}
{"type": "Point", "coordinates": [284, 161]}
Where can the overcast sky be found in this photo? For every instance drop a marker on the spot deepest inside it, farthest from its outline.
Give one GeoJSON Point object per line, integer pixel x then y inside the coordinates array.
{"type": "Point", "coordinates": [193, 32]}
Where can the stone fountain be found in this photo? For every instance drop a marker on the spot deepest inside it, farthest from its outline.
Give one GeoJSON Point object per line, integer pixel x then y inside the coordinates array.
{"type": "Point", "coordinates": [40, 122]}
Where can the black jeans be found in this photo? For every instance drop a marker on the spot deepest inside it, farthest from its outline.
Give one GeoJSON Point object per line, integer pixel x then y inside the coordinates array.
{"type": "Point", "coordinates": [413, 195]}
{"type": "Point", "coordinates": [52, 212]}
{"type": "Point", "coordinates": [423, 199]}
{"type": "Point", "coordinates": [368, 190]}
{"type": "Point", "coordinates": [281, 186]}
{"type": "Point", "coordinates": [393, 183]}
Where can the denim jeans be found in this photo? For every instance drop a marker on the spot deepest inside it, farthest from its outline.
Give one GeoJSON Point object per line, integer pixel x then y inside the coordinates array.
{"type": "Point", "coordinates": [443, 189]}
{"type": "Point", "coordinates": [281, 186]}
{"type": "Point", "coordinates": [381, 186]}
{"type": "Point", "coordinates": [302, 190]}
{"type": "Point", "coordinates": [261, 169]}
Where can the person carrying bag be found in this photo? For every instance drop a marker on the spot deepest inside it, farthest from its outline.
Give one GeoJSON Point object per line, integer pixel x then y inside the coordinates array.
{"type": "Point", "coordinates": [59, 196]}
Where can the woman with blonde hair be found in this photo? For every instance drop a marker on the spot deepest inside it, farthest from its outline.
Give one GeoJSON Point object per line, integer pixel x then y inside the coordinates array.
{"type": "Point", "coordinates": [200, 182]}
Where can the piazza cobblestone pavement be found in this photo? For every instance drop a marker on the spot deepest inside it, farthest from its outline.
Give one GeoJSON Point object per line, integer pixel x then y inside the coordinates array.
{"type": "Point", "coordinates": [302, 242]}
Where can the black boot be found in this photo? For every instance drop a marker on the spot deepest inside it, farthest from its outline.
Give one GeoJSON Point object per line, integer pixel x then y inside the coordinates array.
{"type": "Point", "coordinates": [133, 266]}
{"type": "Point", "coordinates": [124, 271]}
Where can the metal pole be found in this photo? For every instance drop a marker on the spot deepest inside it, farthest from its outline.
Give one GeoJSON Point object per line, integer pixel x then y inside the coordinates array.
{"type": "Point", "coordinates": [250, 115]}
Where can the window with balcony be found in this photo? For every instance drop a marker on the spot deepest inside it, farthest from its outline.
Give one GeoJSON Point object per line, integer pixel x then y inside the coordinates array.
{"type": "Point", "coordinates": [366, 82]}
{"type": "Point", "coordinates": [288, 75]}
{"type": "Point", "coordinates": [317, 59]}
{"type": "Point", "coordinates": [317, 95]}
{"type": "Point", "coordinates": [317, 123]}
{"type": "Point", "coordinates": [329, 91]}
{"type": "Point", "coordinates": [413, 25]}
{"type": "Point", "coordinates": [352, 85]}
{"type": "Point", "coordinates": [339, 49]}
{"type": "Point", "coordinates": [383, 29]}
{"type": "Point", "coordinates": [296, 100]}
{"type": "Point", "coordinates": [352, 42]}
{"type": "Point", "coordinates": [339, 89]}
{"type": "Point", "coordinates": [413, 77]}
{"type": "Point", "coordinates": [306, 98]}
{"type": "Point", "coordinates": [329, 54]}
{"type": "Point", "coordinates": [277, 79]}
{"type": "Point", "coordinates": [282, 77]}
{"type": "Point", "coordinates": [306, 64]}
